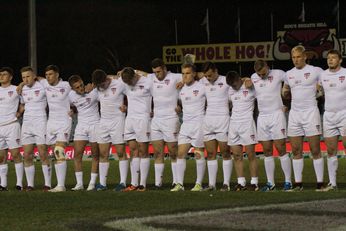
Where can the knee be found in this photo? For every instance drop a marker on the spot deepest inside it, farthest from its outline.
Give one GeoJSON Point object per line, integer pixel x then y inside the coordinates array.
{"type": "Point", "coordinates": [238, 156]}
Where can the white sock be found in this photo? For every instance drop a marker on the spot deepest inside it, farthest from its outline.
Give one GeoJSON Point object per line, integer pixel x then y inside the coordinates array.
{"type": "Point", "coordinates": [60, 170]}
{"type": "Point", "coordinates": [227, 166]}
{"type": "Point", "coordinates": [286, 167]}
{"type": "Point", "coordinates": [174, 172]}
{"type": "Point", "coordinates": [181, 166]}
{"type": "Point", "coordinates": [159, 174]}
{"type": "Point", "coordinates": [298, 166]}
{"type": "Point", "coordinates": [30, 175]}
{"type": "Point", "coordinates": [103, 172]}
{"type": "Point", "coordinates": [134, 167]}
{"type": "Point", "coordinates": [93, 177]}
{"type": "Point", "coordinates": [3, 174]}
{"type": "Point", "coordinates": [319, 169]}
{"type": "Point", "coordinates": [332, 163]}
{"type": "Point", "coordinates": [144, 168]}
{"type": "Point", "coordinates": [200, 167]}
{"type": "Point", "coordinates": [269, 165]}
{"type": "Point", "coordinates": [19, 173]}
{"type": "Point", "coordinates": [241, 181]}
{"type": "Point", "coordinates": [47, 174]}
{"type": "Point", "coordinates": [212, 172]}
{"type": "Point", "coordinates": [254, 180]}
{"type": "Point", "coordinates": [123, 170]}
{"type": "Point", "coordinates": [79, 177]}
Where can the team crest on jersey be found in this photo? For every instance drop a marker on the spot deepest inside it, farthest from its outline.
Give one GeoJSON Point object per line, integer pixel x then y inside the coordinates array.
{"type": "Point", "coordinates": [306, 75]}
{"type": "Point", "coordinates": [166, 81]}
{"type": "Point", "coordinates": [10, 93]}
{"type": "Point", "coordinates": [283, 131]}
{"type": "Point", "coordinates": [220, 85]}
{"type": "Point", "coordinates": [141, 87]}
{"type": "Point", "coordinates": [113, 89]}
{"type": "Point", "coordinates": [62, 90]}
{"type": "Point", "coordinates": [159, 86]}
{"type": "Point", "coordinates": [88, 100]}
{"type": "Point", "coordinates": [318, 127]}
{"type": "Point", "coordinates": [252, 137]}
{"type": "Point", "coordinates": [37, 92]}
{"type": "Point", "coordinates": [212, 89]}
{"type": "Point", "coordinates": [270, 78]}
{"type": "Point", "coordinates": [290, 77]}
{"type": "Point", "coordinates": [195, 92]}
{"type": "Point", "coordinates": [245, 93]}
{"type": "Point", "coordinates": [342, 79]}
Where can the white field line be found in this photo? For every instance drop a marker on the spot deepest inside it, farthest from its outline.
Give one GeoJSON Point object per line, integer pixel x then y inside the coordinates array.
{"type": "Point", "coordinates": [137, 224]}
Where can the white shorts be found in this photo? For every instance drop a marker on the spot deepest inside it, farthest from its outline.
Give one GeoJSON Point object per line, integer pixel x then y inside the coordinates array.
{"type": "Point", "coordinates": [242, 133]}
{"type": "Point", "coordinates": [192, 133]}
{"type": "Point", "coordinates": [34, 131]}
{"type": "Point", "coordinates": [271, 126]}
{"type": "Point", "coordinates": [334, 123]}
{"type": "Point", "coordinates": [137, 129]}
{"type": "Point", "coordinates": [111, 131]}
{"type": "Point", "coordinates": [304, 123]}
{"type": "Point", "coordinates": [216, 128]}
{"type": "Point", "coordinates": [165, 129]}
{"type": "Point", "coordinates": [86, 131]}
{"type": "Point", "coordinates": [10, 136]}
{"type": "Point", "coordinates": [58, 131]}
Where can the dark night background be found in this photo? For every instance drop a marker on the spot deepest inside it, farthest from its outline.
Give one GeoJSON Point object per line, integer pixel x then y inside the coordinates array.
{"type": "Point", "coordinates": [82, 35]}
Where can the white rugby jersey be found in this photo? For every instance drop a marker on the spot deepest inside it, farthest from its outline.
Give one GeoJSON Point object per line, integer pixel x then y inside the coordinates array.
{"type": "Point", "coordinates": [35, 101]}
{"type": "Point", "coordinates": [334, 85]}
{"type": "Point", "coordinates": [111, 99]}
{"type": "Point", "coordinates": [193, 101]}
{"type": "Point", "coordinates": [57, 98]}
{"type": "Point", "coordinates": [9, 100]}
{"type": "Point", "coordinates": [268, 91]}
{"type": "Point", "coordinates": [217, 96]}
{"type": "Point", "coordinates": [242, 103]}
{"type": "Point", "coordinates": [165, 95]}
{"type": "Point", "coordinates": [139, 98]}
{"type": "Point", "coordinates": [303, 84]}
{"type": "Point", "coordinates": [87, 106]}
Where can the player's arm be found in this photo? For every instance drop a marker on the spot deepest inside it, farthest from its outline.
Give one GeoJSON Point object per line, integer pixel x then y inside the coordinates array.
{"type": "Point", "coordinates": [286, 91]}
{"type": "Point", "coordinates": [179, 107]}
{"type": "Point", "coordinates": [20, 111]}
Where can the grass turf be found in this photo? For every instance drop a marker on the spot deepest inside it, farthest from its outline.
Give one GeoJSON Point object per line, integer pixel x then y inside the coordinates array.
{"type": "Point", "coordinates": [89, 210]}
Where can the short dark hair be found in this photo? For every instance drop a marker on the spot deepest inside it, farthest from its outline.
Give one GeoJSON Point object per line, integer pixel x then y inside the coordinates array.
{"type": "Point", "coordinates": [335, 52]}
{"type": "Point", "coordinates": [98, 77]}
{"type": "Point", "coordinates": [74, 79]}
{"type": "Point", "coordinates": [189, 65]}
{"type": "Point", "coordinates": [8, 69]}
{"type": "Point", "coordinates": [259, 64]}
{"type": "Point", "coordinates": [127, 75]}
{"type": "Point", "coordinates": [231, 77]}
{"type": "Point", "coordinates": [27, 68]}
{"type": "Point", "coordinates": [157, 63]}
{"type": "Point", "coordinates": [52, 68]}
{"type": "Point", "coordinates": [209, 65]}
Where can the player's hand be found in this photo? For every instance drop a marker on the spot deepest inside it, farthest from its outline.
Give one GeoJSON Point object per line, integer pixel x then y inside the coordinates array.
{"type": "Point", "coordinates": [70, 113]}
{"type": "Point", "coordinates": [19, 88]}
{"type": "Point", "coordinates": [89, 87]}
{"type": "Point", "coordinates": [178, 109]}
{"type": "Point", "coordinates": [284, 109]}
{"type": "Point", "coordinates": [123, 108]}
{"type": "Point", "coordinates": [179, 85]}
{"type": "Point", "coordinates": [151, 114]}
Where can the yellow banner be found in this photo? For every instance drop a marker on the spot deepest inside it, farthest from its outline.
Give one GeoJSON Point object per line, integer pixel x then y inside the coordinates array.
{"type": "Point", "coordinates": [227, 52]}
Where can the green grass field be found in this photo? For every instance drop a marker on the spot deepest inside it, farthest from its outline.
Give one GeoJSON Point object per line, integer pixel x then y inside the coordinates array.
{"type": "Point", "coordinates": [37, 210]}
